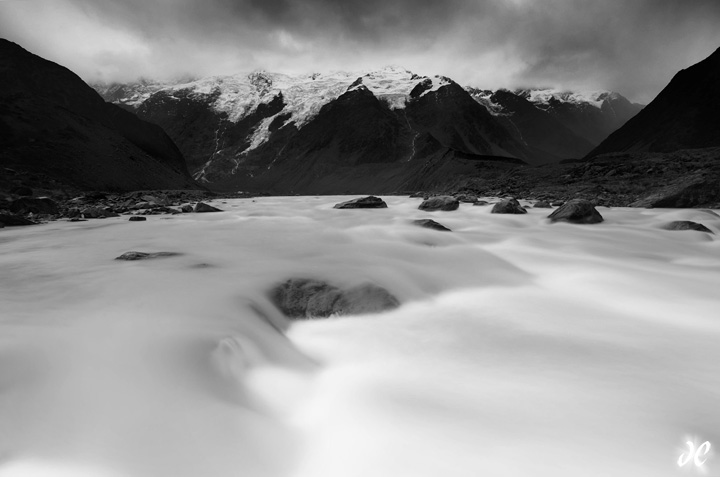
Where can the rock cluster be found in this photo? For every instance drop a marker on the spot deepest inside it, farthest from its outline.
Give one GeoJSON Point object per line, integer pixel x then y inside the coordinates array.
{"type": "Point", "coordinates": [25, 210]}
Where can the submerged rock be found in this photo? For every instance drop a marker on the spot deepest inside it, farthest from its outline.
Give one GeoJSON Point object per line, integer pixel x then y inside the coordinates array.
{"type": "Point", "coordinates": [431, 224]}
{"type": "Point", "coordinates": [306, 298]}
{"type": "Point", "coordinates": [203, 207]}
{"type": "Point", "coordinates": [369, 202]}
{"type": "Point", "coordinates": [137, 218]}
{"type": "Point", "coordinates": [145, 255]}
{"type": "Point", "coordinates": [481, 202]}
{"type": "Point", "coordinates": [576, 211]}
{"type": "Point", "coordinates": [508, 206]}
{"type": "Point", "coordinates": [687, 225]}
{"type": "Point", "coordinates": [541, 204]}
{"type": "Point", "coordinates": [441, 202]}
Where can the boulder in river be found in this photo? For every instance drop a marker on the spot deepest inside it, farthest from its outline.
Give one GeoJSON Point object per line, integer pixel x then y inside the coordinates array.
{"type": "Point", "coordinates": [137, 218]}
{"type": "Point", "coordinates": [440, 202]}
{"type": "Point", "coordinates": [576, 211]}
{"type": "Point", "coordinates": [369, 202]}
{"type": "Point", "coordinates": [203, 207]}
{"type": "Point", "coordinates": [508, 206]}
{"type": "Point", "coordinates": [306, 298]}
{"type": "Point", "coordinates": [145, 255]}
{"type": "Point", "coordinates": [431, 224]}
{"type": "Point", "coordinates": [686, 225]}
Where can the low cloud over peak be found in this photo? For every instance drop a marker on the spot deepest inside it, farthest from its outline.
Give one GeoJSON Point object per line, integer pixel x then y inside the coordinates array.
{"type": "Point", "coordinates": [632, 47]}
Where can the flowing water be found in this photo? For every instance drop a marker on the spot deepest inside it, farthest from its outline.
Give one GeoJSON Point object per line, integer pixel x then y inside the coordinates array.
{"type": "Point", "coordinates": [521, 348]}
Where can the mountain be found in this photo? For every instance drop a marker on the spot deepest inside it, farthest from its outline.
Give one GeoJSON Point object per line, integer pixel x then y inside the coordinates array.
{"type": "Point", "coordinates": [381, 131]}
{"type": "Point", "coordinates": [683, 116]}
{"type": "Point", "coordinates": [52, 123]}
{"type": "Point", "coordinates": [340, 131]}
{"type": "Point", "coordinates": [592, 115]}
{"type": "Point", "coordinates": [546, 136]}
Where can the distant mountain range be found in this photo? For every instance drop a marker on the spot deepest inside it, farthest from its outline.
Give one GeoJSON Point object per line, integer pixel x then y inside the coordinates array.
{"type": "Point", "coordinates": [378, 132]}
{"type": "Point", "coordinates": [385, 130]}
{"type": "Point", "coordinates": [53, 124]}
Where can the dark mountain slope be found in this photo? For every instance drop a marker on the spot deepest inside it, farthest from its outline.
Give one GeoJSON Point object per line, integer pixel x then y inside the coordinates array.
{"type": "Point", "coordinates": [683, 116]}
{"type": "Point", "coordinates": [51, 122]}
{"type": "Point", "coordinates": [540, 130]}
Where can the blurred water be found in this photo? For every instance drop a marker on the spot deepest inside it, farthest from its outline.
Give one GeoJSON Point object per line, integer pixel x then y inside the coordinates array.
{"type": "Point", "coordinates": [521, 348]}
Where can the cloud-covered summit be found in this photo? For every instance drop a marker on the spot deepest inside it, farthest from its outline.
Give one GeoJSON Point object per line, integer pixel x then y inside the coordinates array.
{"type": "Point", "coordinates": [631, 47]}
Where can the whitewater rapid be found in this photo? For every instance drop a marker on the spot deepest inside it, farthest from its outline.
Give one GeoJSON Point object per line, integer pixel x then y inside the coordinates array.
{"type": "Point", "coordinates": [521, 348]}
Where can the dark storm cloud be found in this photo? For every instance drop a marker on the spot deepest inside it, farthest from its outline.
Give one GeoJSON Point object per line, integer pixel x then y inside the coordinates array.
{"type": "Point", "coordinates": [630, 46]}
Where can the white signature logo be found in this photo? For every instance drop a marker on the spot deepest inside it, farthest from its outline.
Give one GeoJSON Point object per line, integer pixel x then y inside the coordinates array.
{"type": "Point", "coordinates": [698, 456]}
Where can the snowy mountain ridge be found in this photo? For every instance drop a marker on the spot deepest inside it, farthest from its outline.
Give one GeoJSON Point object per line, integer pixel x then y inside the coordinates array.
{"type": "Point", "coordinates": [239, 94]}
{"type": "Point", "coordinates": [238, 125]}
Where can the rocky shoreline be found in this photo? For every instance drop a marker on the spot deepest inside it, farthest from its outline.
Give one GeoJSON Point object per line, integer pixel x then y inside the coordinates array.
{"type": "Point", "coordinates": [683, 179]}
{"type": "Point", "coordinates": [26, 209]}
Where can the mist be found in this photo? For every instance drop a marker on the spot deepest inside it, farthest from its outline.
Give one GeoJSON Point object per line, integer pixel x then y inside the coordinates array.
{"type": "Point", "coordinates": [520, 347]}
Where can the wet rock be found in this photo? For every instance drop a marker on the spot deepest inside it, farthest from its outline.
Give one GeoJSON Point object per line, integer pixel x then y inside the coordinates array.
{"type": "Point", "coordinates": [145, 255]}
{"type": "Point", "coordinates": [481, 202]}
{"type": "Point", "coordinates": [143, 205]}
{"type": "Point", "coordinates": [557, 203]}
{"type": "Point", "coordinates": [98, 213]}
{"type": "Point", "coordinates": [303, 298]}
{"type": "Point", "coordinates": [203, 207]}
{"type": "Point", "coordinates": [508, 206]}
{"type": "Point", "coordinates": [431, 224]}
{"type": "Point", "coordinates": [441, 202]}
{"type": "Point", "coordinates": [137, 218]}
{"type": "Point", "coordinates": [187, 208]}
{"type": "Point", "coordinates": [14, 220]}
{"type": "Point", "coordinates": [466, 198]}
{"type": "Point", "coordinates": [369, 202]}
{"type": "Point", "coordinates": [541, 204]}
{"type": "Point", "coordinates": [576, 211]}
{"type": "Point", "coordinates": [29, 205]}
{"type": "Point", "coordinates": [687, 225]}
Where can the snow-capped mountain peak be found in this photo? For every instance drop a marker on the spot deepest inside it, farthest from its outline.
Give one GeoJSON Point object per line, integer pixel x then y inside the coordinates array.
{"type": "Point", "coordinates": [543, 97]}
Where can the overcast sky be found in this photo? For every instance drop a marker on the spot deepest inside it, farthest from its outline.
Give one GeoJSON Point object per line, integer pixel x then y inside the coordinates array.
{"type": "Point", "coordinates": [630, 46]}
